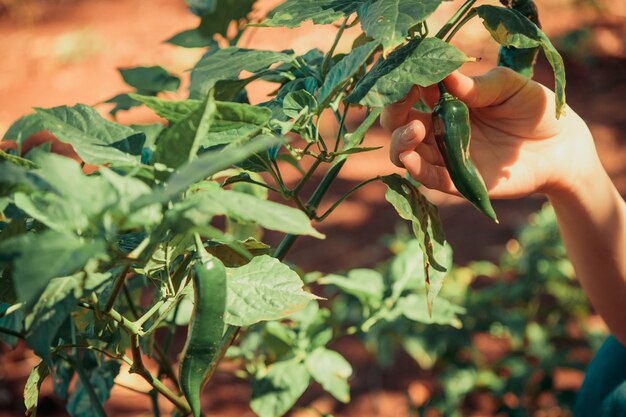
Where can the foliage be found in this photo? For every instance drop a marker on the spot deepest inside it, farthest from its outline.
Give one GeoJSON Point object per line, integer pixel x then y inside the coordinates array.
{"type": "Point", "coordinates": [95, 265]}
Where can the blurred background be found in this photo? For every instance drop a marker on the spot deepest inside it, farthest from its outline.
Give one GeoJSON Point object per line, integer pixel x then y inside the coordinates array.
{"type": "Point", "coordinates": [58, 52]}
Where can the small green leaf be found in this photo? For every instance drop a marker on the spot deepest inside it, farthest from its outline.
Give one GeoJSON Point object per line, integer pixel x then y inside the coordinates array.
{"type": "Point", "coordinates": [13, 320]}
{"type": "Point", "coordinates": [227, 64]}
{"type": "Point", "coordinates": [90, 135]}
{"type": "Point", "coordinates": [511, 28]}
{"type": "Point", "coordinates": [292, 13]}
{"type": "Point", "coordinates": [180, 142]}
{"type": "Point", "coordinates": [23, 128]}
{"type": "Point", "coordinates": [122, 102]}
{"type": "Point", "coordinates": [264, 289]}
{"type": "Point", "coordinates": [150, 80]}
{"type": "Point", "coordinates": [415, 307]}
{"type": "Point", "coordinates": [274, 393]}
{"type": "Point", "coordinates": [31, 389]}
{"type": "Point", "coordinates": [331, 371]}
{"type": "Point", "coordinates": [366, 285]}
{"type": "Point", "coordinates": [344, 70]}
{"type": "Point", "coordinates": [192, 38]}
{"type": "Point", "coordinates": [389, 21]}
{"type": "Point", "coordinates": [101, 379]}
{"type": "Point", "coordinates": [424, 63]}
{"type": "Point", "coordinates": [16, 160]}
{"type": "Point", "coordinates": [49, 313]}
{"type": "Point", "coordinates": [216, 16]}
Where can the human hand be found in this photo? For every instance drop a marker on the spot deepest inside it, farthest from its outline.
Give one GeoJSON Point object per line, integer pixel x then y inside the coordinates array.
{"type": "Point", "coordinates": [517, 144]}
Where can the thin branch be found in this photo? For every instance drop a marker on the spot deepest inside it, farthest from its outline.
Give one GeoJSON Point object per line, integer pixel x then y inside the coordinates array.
{"type": "Point", "coordinates": [119, 283]}
{"type": "Point", "coordinates": [343, 197]}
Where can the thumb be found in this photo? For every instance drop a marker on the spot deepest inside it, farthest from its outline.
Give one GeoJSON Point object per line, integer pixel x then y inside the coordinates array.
{"type": "Point", "coordinates": [490, 89]}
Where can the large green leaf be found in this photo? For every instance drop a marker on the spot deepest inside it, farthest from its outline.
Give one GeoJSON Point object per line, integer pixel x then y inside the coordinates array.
{"type": "Point", "coordinates": [214, 201]}
{"type": "Point", "coordinates": [227, 64]}
{"type": "Point", "coordinates": [424, 217]}
{"type": "Point", "coordinates": [49, 313]}
{"type": "Point", "coordinates": [180, 142]}
{"type": "Point", "coordinates": [275, 392]}
{"type": "Point", "coordinates": [37, 258]}
{"type": "Point", "coordinates": [389, 21]}
{"type": "Point", "coordinates": [264, 289]}
{"type": "Point", "coordinates": [31, 389]}
{"type": "Point", "coordinates": [150, 80]}
{"type": "Point", "coordinates": [292, 13]}
{"type": "Point", "coordinates": [91, 136]}
{"type": "Point", "coordinates": [423, 63]}
{"type": "Point", "coordinates": [407, 270]}
{"type": "Point", "coordinates": [331, 371]}
{"type": "Point", "coordinates": [344, 70]}
{"type": "Point", "coordinates": [101, 380]}
{"type": "Point", "coordinates": [511, 28]}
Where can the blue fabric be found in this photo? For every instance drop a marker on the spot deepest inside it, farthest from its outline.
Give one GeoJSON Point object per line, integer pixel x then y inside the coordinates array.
{"type": "Point", "coordinates": [603, 392]}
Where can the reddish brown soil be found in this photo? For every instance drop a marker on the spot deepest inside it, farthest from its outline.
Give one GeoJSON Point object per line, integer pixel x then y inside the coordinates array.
{"type": "Point", "coordinates": [66, 51]}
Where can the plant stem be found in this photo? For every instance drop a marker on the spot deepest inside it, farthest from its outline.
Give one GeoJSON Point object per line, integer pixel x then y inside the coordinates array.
{"type": "Point", "coordinates": [11, 332]}
{"type": "Point", "coordinates": [139, 368]}
{"type": "Point", "coordinates": [454, 19]}
{"type": "Point", "coordinates": [466, 19]}
{"type": "Point", "coordinates": [330, 53]}
{"type": "Point", "coordinates": [312, 204]}
{"type": "Point", "coordinates": [342, 123]}
{"type": "Point", "coordinates": [343, 197]}
{"type": "Point", "coordinates": [306, 177]}
{"type": "Point", "coordinates": [119, 283]}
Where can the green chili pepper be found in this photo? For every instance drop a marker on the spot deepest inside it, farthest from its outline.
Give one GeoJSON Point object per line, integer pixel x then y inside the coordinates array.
{"type": "Point", "coordinates": [451, 125]}
{"type": "Point", "coordinates": [521, 60]}
{"type": "Point", "coordinates": [206, 327]}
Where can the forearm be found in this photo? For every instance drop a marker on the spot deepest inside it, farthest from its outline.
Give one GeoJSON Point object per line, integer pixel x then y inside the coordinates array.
{"type": "Point", "coordinates": [592, 221]}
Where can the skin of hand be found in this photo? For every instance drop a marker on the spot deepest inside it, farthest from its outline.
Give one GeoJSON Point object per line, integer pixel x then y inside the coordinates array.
{"type": "Point", "coordinates": [520, 148]}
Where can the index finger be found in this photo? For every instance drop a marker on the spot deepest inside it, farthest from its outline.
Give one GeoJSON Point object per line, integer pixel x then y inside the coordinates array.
{"type": "Point", "coordinates": [398, 114]}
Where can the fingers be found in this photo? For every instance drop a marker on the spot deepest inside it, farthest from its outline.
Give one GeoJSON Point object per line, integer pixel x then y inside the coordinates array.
{"type": "Point", "coordinates": [431, 176]}
{"type": "Point", "coordinates": [406, 138]}
{"type": "Point", "coordinates": [490, 89]}
{"type": "Point", "coordinates": [398, 114]}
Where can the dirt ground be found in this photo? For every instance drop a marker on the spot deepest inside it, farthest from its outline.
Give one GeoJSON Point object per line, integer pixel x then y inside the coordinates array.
{"type": "Point", "coordinates": [67, 51]}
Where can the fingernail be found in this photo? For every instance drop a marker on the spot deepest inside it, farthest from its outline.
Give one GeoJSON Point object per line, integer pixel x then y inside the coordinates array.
{"type": "Point", "coordinates": [408, 134]}
{"type": "Point", "coordinates": [403, 155]}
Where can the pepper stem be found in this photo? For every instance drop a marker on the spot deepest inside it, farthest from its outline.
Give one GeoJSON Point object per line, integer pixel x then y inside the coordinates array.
{"type": "Point", "coordinates": [442, 88]}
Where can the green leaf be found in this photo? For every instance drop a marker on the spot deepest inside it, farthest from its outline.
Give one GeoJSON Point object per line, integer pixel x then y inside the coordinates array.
{"type": "Point", "coordinates": [264, 289]}
{"type": "Point", "coordinates": [192, 38]}
{"type": "Point", "coordinates": [415, 307]}
{"type": "Point", "coordinates": [232, 121]}
{"type": "Point", "coordinates": [413, 206]}
{"type": "Point", "coordinates": [511, 28]}
{"type": "Point", "coordinates": [344, 70]}
{"type": "Point", "coordinates": [407, 270]}
{"type": "Point", "coordinates": [16, 160]}
{"type": "Point", "coordinates": [227, 64]}
{"type": "Point", "coordinates": [366, 285]}
{"type": "Point", "coordinates": [424, 63]}
{"type": "Point", "coordinates": [90, 135]}
{"type": "Point", "coordinates": [216, 16]}
{"type": "Point", "coordinates": [180, 142]}
{"type": "Point", "coordinates": [206, 165]}
{"type": "Point", "coordinates": [292, 13]}
{"type": "Point", "coordinates": [150, 80]}
{"type": "Point", "coordinates": [13, 320]}
{"type": "Point", "coordinates": [274, 393]}
{"type": "Point", "coordinates": [31, 389]}
{"type": "Point", "coordinates": [51, 310]}
{"type": "Point", "coordinates": [101, 379]}
{"type": "Point", "coordinates": [23, 128]}
{"type": "Point", "coordinates": [389, 21]}
{"type": "Point", "coordinates": [215, 201]}
{"type": "Point", "coordinates": [122, 102]}
{"type": "Point", "coordinates": [331, 371]}
{"type": "Point", "coordinates": [37, 258]}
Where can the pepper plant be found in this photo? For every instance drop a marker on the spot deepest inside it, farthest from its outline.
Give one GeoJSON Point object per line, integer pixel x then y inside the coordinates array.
{"type": "Point", "coordinates": [99, 269]}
